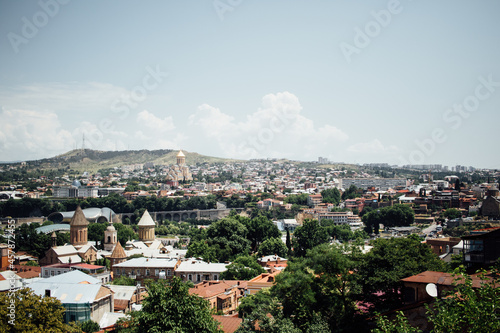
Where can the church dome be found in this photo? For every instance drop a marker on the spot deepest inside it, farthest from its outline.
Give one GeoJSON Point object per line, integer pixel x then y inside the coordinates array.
{"type": "Point", "coordinates": [181, 154]}
{"type": "Point", "coordinates": [110, 228]}
{"type": "Point", "coordinates": [76, 183]}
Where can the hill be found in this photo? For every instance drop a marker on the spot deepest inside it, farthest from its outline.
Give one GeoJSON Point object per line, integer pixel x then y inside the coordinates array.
{"type": "Point", "coordinates": [93, 160]}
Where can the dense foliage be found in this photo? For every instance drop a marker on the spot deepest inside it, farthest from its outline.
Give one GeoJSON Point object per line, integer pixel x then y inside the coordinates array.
{"type": "Point", "coordinates": [392, 216]}
{"type": "Point", "coordinates": [170, 308]}
{"type": "Point", "coordinates": [32, 313]}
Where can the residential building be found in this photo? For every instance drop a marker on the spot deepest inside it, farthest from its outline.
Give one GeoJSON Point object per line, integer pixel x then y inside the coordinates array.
{"type": "Point", "coordinates": [314, 200]}
{"type": "Point", "coordinates": [223, 295]}
{"type": "Point", "coordinates": [482, 249]}
{"type": "Point", "coordinates": [82, 296]}
{"type": "Point", "coordinates": [98, 272]}
{"type": "Point", "coordinates": [146, 268]}
{"type": "Point", "coordinates": [196, 270]}
{"type": "Point", "coordinates": [126, 296]}
{"type": "Point", "coordinates": [264, 280]}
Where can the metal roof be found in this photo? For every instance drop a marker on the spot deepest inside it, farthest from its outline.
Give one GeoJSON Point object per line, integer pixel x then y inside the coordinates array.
{"type": "Point", "coordinates": [148, 262]}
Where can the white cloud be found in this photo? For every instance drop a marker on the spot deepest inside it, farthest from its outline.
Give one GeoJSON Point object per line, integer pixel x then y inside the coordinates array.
{"type": "Point", "coordinates": [277, 129]}
{"type": "Point", "coordinates": [28, 134]}
{"type": "Point", "coordinates": [152, 122]}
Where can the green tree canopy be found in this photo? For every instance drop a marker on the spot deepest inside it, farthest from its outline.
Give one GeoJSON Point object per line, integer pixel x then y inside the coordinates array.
{"type": "Point", "coordinates": [229, 237]}
{"type": "Point", "coordinates": [309, 235]}
{"type": "Point", "coordinates": [243, 268]}
{"type": "Point", "coordinates": [33, 313]}
{"type": "Point", "coordinates": [331, 195]}
{"type": "Point", "coordinates": [170, 308]}
{"type": "Point", "coordinates": [389, 261]}
{"type": "Point", "coordinates": [273, 246]}
{"type": "Point", "coordinates": [259, 229]}
{"type": "Point", "coordinates": [392, 216]}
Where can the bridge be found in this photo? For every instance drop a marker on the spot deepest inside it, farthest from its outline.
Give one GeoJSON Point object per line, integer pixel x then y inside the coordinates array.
{"type": "Point", "coordinates": [182, 215]}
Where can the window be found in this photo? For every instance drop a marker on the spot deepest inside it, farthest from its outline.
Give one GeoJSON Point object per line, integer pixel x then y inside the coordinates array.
{"type": "Point", "coordinates": [190, 277]}
{"type": "Point", "coordinates": [169, 272]}
{"type": "Point", "coordinates": [216, 277]}
{"type": "Point", "coordinates": [147, 272]}
{"type": "Point", "coordinates": [157, 271]}
{"type": "Point", "coordinates": [198, 278]}
{"type": "Point", "coordinates": [51, 273]}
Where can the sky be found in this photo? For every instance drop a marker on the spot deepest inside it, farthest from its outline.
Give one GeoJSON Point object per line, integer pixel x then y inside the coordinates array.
{"type": "Point", "coordinates": [398, 82]}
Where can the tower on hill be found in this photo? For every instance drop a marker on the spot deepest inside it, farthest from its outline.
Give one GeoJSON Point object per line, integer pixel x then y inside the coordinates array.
{"type": "Point", "coordinates": [181, 158]}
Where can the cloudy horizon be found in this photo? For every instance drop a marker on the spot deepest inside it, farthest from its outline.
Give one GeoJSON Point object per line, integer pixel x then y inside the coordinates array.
{"type": "Point", "coordinates": [398, 82]}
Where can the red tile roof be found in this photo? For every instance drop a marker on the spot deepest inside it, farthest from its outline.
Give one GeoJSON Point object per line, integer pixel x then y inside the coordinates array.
{"type": "Point", "coordinates": [228, 324]}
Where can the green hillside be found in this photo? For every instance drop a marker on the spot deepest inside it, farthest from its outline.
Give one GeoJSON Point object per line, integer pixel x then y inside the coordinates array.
{"type": "Point", "coordinates": [93, 160]}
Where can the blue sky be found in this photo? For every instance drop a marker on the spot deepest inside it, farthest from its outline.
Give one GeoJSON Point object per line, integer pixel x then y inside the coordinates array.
{"type": "Point", "coordinates": [354, 81]}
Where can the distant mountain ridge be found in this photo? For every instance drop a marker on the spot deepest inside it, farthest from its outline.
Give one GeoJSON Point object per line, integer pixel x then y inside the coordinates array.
{"type": "Point", "coordinates": [93, 160]}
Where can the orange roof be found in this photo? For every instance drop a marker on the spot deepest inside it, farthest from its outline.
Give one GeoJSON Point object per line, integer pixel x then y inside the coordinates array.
{"type": "Point", "coordinates": [208, 289]}
{"type": "Point", "coordinates": [440, 278]}
{"type": "Point", "coordinates": [227, 323]}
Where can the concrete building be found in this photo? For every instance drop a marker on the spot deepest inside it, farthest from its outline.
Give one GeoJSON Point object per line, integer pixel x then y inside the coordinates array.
{"type": "Point", "coordinates": [196, 270]}
{"type": "Point", "coordinates": [146, 268]}
{"type": "Point", "coordinates": [81, 295]}
{"type": "Point", "coordinates": [379, 183]}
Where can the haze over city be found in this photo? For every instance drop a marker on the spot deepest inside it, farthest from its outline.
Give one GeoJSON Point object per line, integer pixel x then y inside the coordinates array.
{"type": "Point", "coordinates": [400, 82]}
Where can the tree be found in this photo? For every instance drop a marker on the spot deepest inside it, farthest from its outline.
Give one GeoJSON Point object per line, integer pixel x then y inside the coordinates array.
{"type": "Point", "coordinates": [201, 249]}
{"type": "Point", "coordinates": [124, 281]}
{"type": "Point", "coordinates": [351, 193]}
{"type": "Point", "coordinates": [170, 308]}
{"type": "Point", "coordinates": [33, 313]}
{"type": "Point", "coordinates": [331, 195]}
{"type": "Point", "coordinates": [452, 213]}
{"type": "Point", "coordinates": [229, 238]}
{"type": "Point", "coordinates": [273, 246]}
{"type": "Point", "coordinates": [288, 242]}
{"type": "Point", "coordinates": [309, 235]}
{"type": "Point", "coordinates": [243, 268]}
{"type": "Point", "coordinates": [389, 261]}
{"type": "Point", "coordinates": [90, 326]}
{"type": "Point", "coordinates": [259, 229]}
{"type": "Point", "coordinates": [463, 309]}
{"type": "Point", "coordinates": [319, 288]}
{"type": "Point", "coordinates": [393, 216]}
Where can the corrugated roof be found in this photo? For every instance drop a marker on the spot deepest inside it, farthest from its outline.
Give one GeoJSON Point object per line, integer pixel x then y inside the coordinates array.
{"type": "Point", "coordinates": [72, 277]}
{"type": "Point", "coordinates": [67, 292]}
{"type": "Point", "coordinates": [148, 262]}
{"type": "Point", "coordinates": [192, 265]}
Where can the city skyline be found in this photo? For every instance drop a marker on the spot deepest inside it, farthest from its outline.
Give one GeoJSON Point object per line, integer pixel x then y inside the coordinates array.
{"type": "Point", "coordinates": [400, 82]}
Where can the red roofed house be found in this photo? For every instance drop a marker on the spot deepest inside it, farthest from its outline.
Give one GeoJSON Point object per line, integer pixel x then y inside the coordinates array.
{"type": "Point", "coordinates": [223, 295]}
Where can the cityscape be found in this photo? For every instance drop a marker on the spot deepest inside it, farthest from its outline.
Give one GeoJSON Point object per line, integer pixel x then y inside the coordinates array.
{"type": "Point", "coordinates": [236, 166]}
